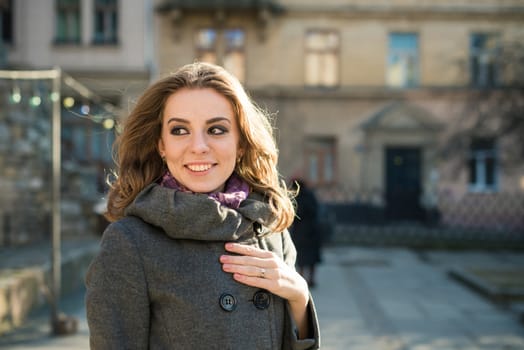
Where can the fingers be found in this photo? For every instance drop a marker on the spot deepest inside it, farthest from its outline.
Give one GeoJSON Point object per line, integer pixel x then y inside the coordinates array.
{"type": "Point", "coordinates": [254, 281]}
{"type": "Point", "coordinates": [254, 266]}
{"type": "Point", "coordinates": [249, 256]}
{"type": "Point", "coordinates": [250, 275]}
{"type": "Point", "coordinates": [248, 270]}
{"type": "Point", "coordinates": [263, 269]}
{"type": "Point", "coordinates": [248, 250]}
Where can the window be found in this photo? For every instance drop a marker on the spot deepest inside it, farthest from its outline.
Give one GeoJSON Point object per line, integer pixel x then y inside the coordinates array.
{"type": "Point", "coordinates": [403, 60]}
{"type": "Point", "coordinates": [6, 20]}
{"type": "Point", "coordinates": [320, 160]}
{"type": "Point", "coordinates": [321, 61]}
{"type": "Point", "coordinates": [234, 58]}
{"type": "Point", "coordinates": [67, 22]}
{"type": "Point", "coordinates": [206, 45]}
{"type": "Point", "coordinates": [225, 48]}
{"type": "Point", "coordinates": [106, 23]}
{"type": "Point", "coordinates": [483, 53]}
{"type": "Point", "coordinates": [483, 165]}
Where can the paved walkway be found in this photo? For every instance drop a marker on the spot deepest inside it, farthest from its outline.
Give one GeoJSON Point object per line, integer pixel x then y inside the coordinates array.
{"type": "Point", "coordinates": [389, 299]}
{"type": "Point", "coordinates": [372, 299]}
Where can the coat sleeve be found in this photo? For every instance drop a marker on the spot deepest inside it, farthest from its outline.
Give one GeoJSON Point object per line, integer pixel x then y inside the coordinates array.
{"type": "Point", "coordinates": [117, 302]}
{"type": "Point", "coordinates": [291, 341]}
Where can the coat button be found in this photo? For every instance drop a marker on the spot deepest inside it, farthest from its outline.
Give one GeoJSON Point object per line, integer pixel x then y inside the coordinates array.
{"type": "Point", "coordinates": [228, 302]}
{"type": "Point", "coordinates": [257, 227]}
{"type": "Point", "coordinates": [261, 300]}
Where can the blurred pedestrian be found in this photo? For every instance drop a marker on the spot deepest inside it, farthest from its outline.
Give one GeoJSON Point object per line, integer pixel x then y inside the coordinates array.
{"type": "Point", "coordinates": [305, 232]}
{"type": "Point", "coordinates": [198, 255]}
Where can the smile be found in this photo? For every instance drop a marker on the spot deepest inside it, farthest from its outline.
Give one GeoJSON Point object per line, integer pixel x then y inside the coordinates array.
{"type": "Point", "coordinates": [199, 167]}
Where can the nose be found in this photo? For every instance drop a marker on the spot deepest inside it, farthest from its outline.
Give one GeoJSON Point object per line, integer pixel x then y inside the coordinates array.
{"type": "Point", "coordinates": [199, 143]}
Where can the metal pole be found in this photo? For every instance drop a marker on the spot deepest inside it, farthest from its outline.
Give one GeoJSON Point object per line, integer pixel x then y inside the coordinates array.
{"type": "Point", "coordinates": [56, 215]}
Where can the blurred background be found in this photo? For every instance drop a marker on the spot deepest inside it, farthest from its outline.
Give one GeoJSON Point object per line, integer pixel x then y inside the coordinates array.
{"type": "Point", "coordinates": [405, 116]}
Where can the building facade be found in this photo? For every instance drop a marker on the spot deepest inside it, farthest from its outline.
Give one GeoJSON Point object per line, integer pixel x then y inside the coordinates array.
{"type": "Point", "coordinates": [367, 95]}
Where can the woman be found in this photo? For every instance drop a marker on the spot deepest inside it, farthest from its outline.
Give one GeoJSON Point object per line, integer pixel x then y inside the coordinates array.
{"type": "Point", "coordinates": [198, 255]}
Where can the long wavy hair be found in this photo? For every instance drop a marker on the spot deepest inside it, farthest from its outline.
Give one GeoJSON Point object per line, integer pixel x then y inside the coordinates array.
{"type": "Point", "coordinates": [138, 161]}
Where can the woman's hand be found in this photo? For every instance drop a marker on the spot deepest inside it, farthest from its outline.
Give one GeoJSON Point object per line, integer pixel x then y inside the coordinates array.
{"type": "Point", "coordinates": [264, 269]}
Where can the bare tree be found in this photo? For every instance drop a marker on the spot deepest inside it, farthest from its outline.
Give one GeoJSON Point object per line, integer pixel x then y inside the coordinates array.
{"type": "Point", "coordinates": [492, 108]}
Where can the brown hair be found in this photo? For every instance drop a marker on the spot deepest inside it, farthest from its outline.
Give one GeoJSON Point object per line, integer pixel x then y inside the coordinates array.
{"type": "Point", "coordinates": [138, 160]}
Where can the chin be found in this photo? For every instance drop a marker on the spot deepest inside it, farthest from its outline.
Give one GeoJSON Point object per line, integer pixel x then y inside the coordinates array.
{"type": "Point", "coordinates": [202, 189]}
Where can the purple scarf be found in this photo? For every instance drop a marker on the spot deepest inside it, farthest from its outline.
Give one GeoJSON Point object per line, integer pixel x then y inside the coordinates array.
{"type": "Point", "coordinates": [236, 189]}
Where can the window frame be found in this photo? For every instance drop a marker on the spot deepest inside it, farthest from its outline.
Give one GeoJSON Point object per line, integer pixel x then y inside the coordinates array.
{"type": "Point", "coordinates": [7, 14]}
{"type": "Point", "coordinates": [403, 53]}
{"type": "Point", "coordinates": [478, 166]}
{"type": "Point", "coordinates": [110, 22]}
{"type": "Point", "coordinates": [239, 72]}
{"type": "Point", "coordinates": [69, 12]}
{"type": "Point", "coordinates": [202, 50]}
{"type": "Point", "coordinates": [479, 72]}
{"type": "Point", "coordinates": [323, 151]}
{"type": "Point", "coordinates": [219, 49]}
{"type": "Point", "coordinates": [322, 54]}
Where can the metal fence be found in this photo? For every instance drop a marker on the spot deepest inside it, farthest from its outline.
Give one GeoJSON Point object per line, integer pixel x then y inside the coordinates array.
{"type": "Point", "coordinates": [475, 219]}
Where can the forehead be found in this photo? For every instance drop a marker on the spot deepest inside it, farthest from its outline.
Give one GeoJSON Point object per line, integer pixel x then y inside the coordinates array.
{"type": "Point", "coordinates": [197, 103]}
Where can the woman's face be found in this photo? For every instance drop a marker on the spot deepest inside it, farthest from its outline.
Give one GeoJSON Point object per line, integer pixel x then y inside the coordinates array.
{"type": "Point", "coordinates": [199, 139]}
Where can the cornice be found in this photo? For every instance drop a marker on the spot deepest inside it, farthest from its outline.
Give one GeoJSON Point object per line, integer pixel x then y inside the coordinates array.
{"type": "Point", "coordinates": [372, 93]}
{"type": "Point", "coordinates": [411, 11]}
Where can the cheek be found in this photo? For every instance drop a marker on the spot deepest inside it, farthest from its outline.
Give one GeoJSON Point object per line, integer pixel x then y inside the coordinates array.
{"type": "Point", "coordinates": [234, 150]}
{"type": "Point", "coordinates": [172, 149]}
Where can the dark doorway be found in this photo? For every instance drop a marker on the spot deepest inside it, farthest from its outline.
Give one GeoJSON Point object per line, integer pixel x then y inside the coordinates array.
{"type": "Point", "coordinates": [403, 183]}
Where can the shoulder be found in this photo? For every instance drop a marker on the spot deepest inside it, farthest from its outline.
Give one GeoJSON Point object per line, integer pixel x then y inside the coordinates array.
{"type": "Point", "coordinates": [128, 225]}
{"type": "Point", "coordinates": [128, 230]}
{"type": "Point", "coordinates": [282, 245]}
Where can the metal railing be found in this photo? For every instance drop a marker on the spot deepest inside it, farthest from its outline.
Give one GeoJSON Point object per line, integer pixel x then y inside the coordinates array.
{"type": "Point", "coordinates": [491, 218]}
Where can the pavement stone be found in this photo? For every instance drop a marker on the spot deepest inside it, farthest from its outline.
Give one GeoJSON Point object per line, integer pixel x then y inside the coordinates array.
{"type": "Point", "coordinates": [375, 299]}
{"type": "Point", "coordinates": [403, 299]}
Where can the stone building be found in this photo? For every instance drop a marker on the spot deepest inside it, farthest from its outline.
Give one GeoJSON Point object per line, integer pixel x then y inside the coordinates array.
{"type": "Point", "coordinates": [366, 93]}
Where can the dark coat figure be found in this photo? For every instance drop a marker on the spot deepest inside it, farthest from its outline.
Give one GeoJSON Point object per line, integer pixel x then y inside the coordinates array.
{"type": "Point", "coordinates": [305, 233]}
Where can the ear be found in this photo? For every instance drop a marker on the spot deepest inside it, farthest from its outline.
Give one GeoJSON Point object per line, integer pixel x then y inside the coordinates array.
{"type": "Point", "coordinates": [240, 153]}
{"type": "Point", "coordinates": [161, 147]}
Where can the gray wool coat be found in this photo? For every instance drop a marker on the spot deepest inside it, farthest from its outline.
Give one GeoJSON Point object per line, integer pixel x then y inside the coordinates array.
{"type": "Point", "coordinates": [157, 282]}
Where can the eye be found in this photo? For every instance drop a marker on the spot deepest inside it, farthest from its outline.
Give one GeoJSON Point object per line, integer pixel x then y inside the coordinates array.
{"type": "Point", "coordinates": [217, 130]}
{"type": "Point", "coordinates": [178, 130]}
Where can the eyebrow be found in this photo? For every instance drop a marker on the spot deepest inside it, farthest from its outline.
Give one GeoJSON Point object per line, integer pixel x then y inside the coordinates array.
{"type": "Point", "coordinates": [209, 121]}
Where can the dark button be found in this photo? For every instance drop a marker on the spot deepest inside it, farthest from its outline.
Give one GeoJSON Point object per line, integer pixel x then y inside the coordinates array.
{"type": "Point", "coordinates": [261, 300]}
{"type": "Point", "coordinates": [228, 302]}
{"type": "Point", "coordinates": [257, 227]}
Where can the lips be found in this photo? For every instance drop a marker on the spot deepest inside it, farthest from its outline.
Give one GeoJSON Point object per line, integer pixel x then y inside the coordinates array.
{"type": "Point", "coordinates": [199, 167]}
